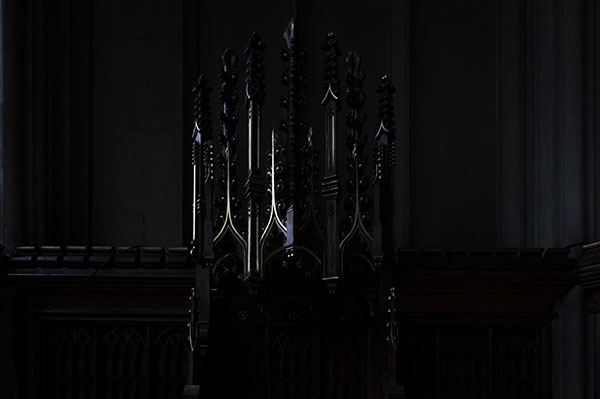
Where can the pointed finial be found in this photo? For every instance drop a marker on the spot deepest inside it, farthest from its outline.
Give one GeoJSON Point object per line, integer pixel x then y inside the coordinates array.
{"type": "Point", "coordinates": [229, 60]}
{"type": "Point", "coordinates": [202, 112]}
{"type": "Point", "coordinates": [255, 69]}
{"type": "Point", "coordinates": [385, 108]}
{"type": "Point", "coordinates": [290, 32]}
{"type": "Point", "coordinates": [331, 82]}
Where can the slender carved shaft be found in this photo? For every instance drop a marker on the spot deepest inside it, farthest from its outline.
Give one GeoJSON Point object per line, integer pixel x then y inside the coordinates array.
{"type": "Point", "coordinates": [296, 127]}
{"type": "Point", "coordinates": [228, 202]}
{"type": "Point", "coordinates": [357, 201]}
{"type": "Point", "coordinates": [202, 134]}
{"type": "Point", "coordinates": [254, 188]}
{"type": "Point", "coordinates": [384, 160]}
{"type": "Point", "coordinates": [330, 184]}
{"type": "Point", "coordinates": [201, 248]}
{"type": "Point", "coordinates": [229, 236]}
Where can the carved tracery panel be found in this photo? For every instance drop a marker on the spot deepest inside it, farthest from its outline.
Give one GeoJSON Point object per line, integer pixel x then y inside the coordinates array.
{"type": "Point", "coordinates": [83, 360]}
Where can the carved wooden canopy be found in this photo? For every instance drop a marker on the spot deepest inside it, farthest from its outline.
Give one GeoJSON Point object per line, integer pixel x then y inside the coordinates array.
{"type": "Point", "coordinates": [294, 269]}
{"type": "Point", "coordinates": [292, 214]}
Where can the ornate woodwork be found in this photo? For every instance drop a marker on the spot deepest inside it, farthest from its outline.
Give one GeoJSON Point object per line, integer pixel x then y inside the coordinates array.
{"type": "Point", "coordinates": [101, 322]}
{"type": "Point", "coordinates": [291, 285]}
{"type": "Point", "coordinates": [474, 361]}
{"type": "Point", "coordinates": [294, 268]}
{"type": "Point", "coordinates": [294, 233]}
{"type": "Point", "coordinates": [107, 360]}
{"type": "Point", "coordinates": [476, 324]}
{"type": "Point", "coordinates": [469, 323]}
{"type": "Point", "coordinates": [290, 347]}
{"type": "Point", "coordinates": [304, 245]}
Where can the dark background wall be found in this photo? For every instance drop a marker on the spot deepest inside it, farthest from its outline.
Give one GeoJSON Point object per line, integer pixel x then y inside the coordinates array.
{"type": "Point", "coordinates": [495, 105]}
{"type": "Point", "coordinates": [497, 116]}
